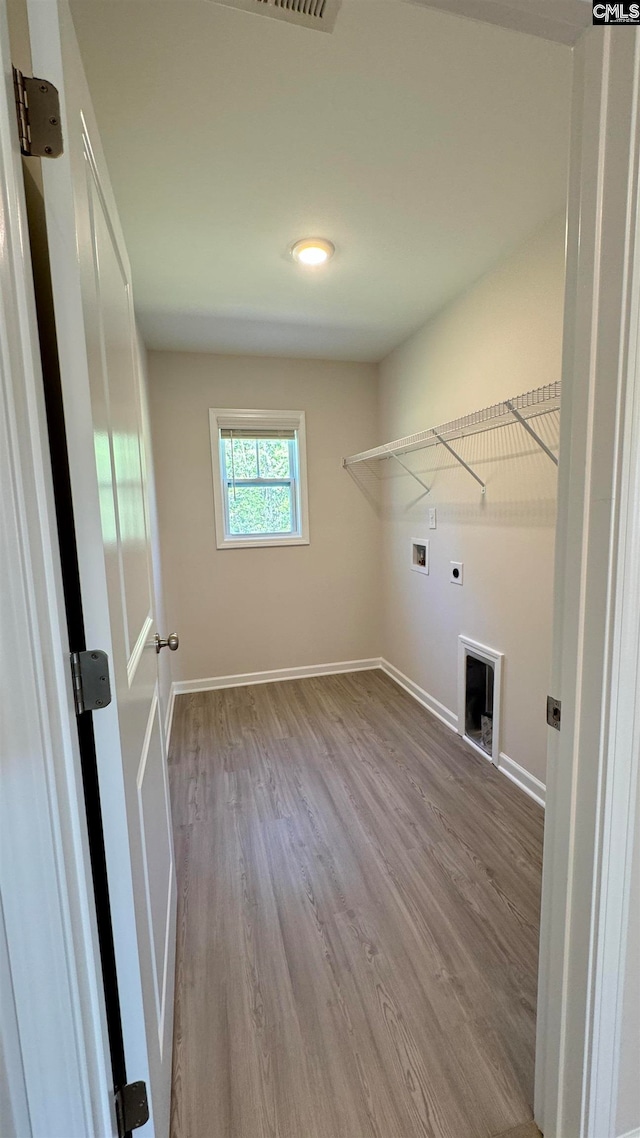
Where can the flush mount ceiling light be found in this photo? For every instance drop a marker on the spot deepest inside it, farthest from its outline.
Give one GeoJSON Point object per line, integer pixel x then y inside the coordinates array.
{"type": "Point", "coordinates": [312, 252]}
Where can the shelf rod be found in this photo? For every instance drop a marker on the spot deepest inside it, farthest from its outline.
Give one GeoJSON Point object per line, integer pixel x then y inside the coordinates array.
{"type": "Point", "coordinates": [530, 430]}
{"type": "Point", "coordinates": [408, 469]}
{"type": "Point", "coordinates": [461, 461]}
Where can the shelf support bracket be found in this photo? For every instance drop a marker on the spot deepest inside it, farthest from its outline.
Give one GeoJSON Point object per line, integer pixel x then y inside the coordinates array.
{"type": "Point", "coordinates": [529, 429]}
{"type": "Point", "coordinates": [461, 461]}
{"type": "Point", "coordinates": [408, 470]}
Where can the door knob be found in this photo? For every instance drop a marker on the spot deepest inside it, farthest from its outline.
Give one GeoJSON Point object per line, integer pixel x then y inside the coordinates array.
{"type": "Point", "coordinates": [172, 642]}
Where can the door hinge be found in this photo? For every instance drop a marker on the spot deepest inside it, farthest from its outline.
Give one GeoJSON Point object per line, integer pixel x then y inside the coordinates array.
{"type": "Point", "coordinates": [554, 712]}
{"type": "Point", "coordinates": [91, 686]}
{"type": "Point", "coordinates": [38, 110]}
{"type": "Point", "coordinates": [132, 1107]}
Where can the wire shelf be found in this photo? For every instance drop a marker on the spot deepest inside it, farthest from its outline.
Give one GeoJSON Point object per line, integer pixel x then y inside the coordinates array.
{"type": "Point", "coordinates": [522, 408]}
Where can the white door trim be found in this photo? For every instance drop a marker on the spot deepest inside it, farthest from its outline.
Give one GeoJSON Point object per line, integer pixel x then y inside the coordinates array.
{"type": "Point", "coordinates": [596, 674]}
{"type": "Point", "coordinates": [51, 970]}
{"type": "Point", "coordinates": [618, 815]}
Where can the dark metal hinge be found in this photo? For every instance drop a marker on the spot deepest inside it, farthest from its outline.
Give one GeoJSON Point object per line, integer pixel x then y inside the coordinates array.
{"type": "Point", "coordinates": [91, 686]}
{"type": "Point", "coordinates": [554, 712]}
{"type": "Point", "coordinates": [38, 111]}
{"type": "Point", "coordinates": [132, 1107]}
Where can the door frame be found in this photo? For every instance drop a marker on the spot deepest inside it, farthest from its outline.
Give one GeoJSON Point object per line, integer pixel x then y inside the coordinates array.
{"type": "Point", "coordinates": [592, 769]}
{"type": "Point", "coordinates": [596, 671]}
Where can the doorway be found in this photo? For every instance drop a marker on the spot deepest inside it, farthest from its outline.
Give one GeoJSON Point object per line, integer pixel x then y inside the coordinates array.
{"type": "Point", "coordinates": [550, 1093]}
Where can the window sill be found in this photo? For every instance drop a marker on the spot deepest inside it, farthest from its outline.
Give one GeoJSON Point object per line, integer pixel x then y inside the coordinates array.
{"type": "Point", "coordinates": [257, 543]}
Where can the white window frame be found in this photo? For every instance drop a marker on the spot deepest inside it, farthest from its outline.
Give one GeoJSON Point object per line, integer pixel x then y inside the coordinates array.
{"type": "Point", "coordinates": [223, 418]}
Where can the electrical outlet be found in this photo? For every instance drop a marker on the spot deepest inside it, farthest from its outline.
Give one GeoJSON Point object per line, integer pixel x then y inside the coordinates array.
{"type": "Point", "coordinates": [457, 572]}
{"type": "Point", "coordinates": [433, 518]}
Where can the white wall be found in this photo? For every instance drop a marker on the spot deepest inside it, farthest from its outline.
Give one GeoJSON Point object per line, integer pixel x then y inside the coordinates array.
{"type": "Point", "coordinates": [248, 610]}
{"type": "Point", "coordinates": [500, 338]}
{"type": "Point", "coordinates": [346, 596]}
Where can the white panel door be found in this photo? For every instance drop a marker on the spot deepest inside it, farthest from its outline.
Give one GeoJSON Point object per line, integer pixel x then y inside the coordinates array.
{"type": "Point", "coordinates": [101, 377]}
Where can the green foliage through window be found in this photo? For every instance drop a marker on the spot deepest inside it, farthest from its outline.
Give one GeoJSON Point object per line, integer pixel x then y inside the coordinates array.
{"type": "Point", "coordinates": [259, 509]}
{"type": "Point", "coordinates": [259, 484]}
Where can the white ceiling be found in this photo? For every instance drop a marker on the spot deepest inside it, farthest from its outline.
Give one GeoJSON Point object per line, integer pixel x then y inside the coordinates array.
{"type": "Point", "coordinates": [561, 20]}
{"type": "Point", "coordinates": [423, 145]}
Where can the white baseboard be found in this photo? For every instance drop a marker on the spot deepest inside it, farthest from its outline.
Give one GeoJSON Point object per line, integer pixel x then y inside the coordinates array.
{"type": "Point", "coordinates": [169, 716]}
{"type": "Point", "coordinates": [631, 1134]}
{"type": "Point", "coordinates": [433, 705]}
{"type": "Point", "coordinates": [527, 782]}
{"type": "Point", "coordinates": [214, 683]}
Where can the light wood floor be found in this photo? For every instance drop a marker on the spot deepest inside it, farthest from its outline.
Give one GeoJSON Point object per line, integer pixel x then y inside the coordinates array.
{"type": "Point", "coordinates": [358, 919]}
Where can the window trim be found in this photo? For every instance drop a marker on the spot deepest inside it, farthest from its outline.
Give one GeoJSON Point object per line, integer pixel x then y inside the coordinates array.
{"type": "Point", "coordinates": [244, 419]}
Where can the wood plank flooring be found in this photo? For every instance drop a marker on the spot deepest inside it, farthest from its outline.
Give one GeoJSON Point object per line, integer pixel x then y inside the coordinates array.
{"type": "Point", "coordinates": [528, 1130]}
{"type": "Point", "coordinates": [358, 919]}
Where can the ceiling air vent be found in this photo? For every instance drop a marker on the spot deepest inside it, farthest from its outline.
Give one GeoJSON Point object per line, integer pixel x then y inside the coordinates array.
{"type": "Point", "coordinates": [317, 14]}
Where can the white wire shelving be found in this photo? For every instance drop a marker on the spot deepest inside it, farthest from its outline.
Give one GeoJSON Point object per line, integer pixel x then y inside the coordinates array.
{"type": "Point", "coordinates": [520, 409]}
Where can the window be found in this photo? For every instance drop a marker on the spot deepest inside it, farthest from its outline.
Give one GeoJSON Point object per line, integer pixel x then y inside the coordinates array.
{"type": "Point", "coordinates": [259, 478]}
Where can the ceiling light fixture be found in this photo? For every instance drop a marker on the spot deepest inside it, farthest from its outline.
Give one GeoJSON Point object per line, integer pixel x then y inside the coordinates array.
{"type": "Point", "coordinates": [312, 252]}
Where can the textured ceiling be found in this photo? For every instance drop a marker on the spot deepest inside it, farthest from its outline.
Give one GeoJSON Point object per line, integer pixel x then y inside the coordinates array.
{"type": "Point", "coordinates": [423, 145]}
